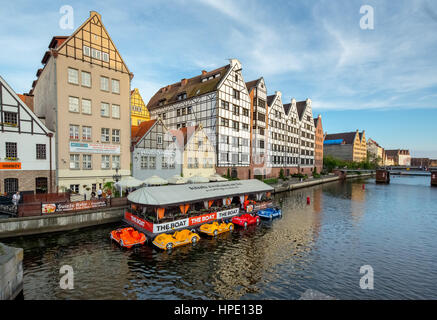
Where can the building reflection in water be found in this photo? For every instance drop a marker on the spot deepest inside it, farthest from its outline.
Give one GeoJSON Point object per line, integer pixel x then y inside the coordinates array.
{"type": "Point", "coordinates": [241, 270]}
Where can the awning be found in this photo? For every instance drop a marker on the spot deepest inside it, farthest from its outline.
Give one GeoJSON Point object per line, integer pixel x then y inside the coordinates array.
{"type": "Point", "coordinates": [188, 193]}
{"type": "Point", "coordinates": [129, 182]}
{"type": "Point", "coordinates": [155, 181]}
{"type": "Point", "coordinates": [217, 177]}
{"type": "Point", "coordinates": [177, 180]}
{"type": "Point", "coordinates": [198, 179]}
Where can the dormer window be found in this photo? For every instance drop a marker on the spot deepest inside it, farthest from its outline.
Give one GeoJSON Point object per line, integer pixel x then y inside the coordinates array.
{"type": "Point", "coordinates": [182, 96]}
{"type": "Point", "coordinates": [161, 102]}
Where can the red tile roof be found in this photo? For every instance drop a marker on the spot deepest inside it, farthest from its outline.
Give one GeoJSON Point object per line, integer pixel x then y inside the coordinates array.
{"type": "Point", "coordinates": [137, 132]}
{"type": "Point", "coordinates": [183, 135]}
{"type": "Point", "coordinates": [27, 99]}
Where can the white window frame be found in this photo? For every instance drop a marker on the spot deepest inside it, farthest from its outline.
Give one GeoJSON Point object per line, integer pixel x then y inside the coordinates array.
{"type": "Point", "coordinates": [115, 85]}
{"type": "Point", "coordinates": [105, 164]}
{"type": "Point", "coordinates": [116, 111]}
{"type": "Point", "coordinates": [73, 76]}
{"type": "Point", "coordinates": [86, 76]}
{"type": "Point", "coordinates": [104, 83]}
{"type": "Point", "coordinates": [104, 137]}
{"type": "Point", "coordinates": [73, 104]}
{"type": "Point", "coordinates": [88, 104]}
{"type": "Point", "coordinates": [87, 162]}
{"type": "Point", "coordinates": [106, 109]}
{"type": "Point", "coordinates": [115, 135]}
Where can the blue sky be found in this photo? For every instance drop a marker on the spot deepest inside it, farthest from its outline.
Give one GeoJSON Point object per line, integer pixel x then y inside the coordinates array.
{"type": "Point", "coordinates": [382, 80]}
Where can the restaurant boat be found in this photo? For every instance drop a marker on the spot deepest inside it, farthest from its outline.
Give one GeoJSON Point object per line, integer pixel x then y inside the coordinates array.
{"type": "Point", "coordinates": [166, 209]}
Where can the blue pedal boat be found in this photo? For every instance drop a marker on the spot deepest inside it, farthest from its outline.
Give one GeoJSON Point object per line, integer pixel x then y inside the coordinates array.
{"type": "Point", "coordinates": [270, 213]}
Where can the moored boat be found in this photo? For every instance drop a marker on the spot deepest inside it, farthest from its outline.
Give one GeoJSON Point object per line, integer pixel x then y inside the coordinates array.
{"type": "Point", "coordinates": [128, 237]}
{"type": "Point", "coordinates": [246, 219]}
{"type": "Point", "coordinates": [179, 238]}
{"type": "Point", "coordinates": [270, 213]}
{"type": "Point", "coordinates": [215, 228]}
{"type": "Point", "coordinates": [166, 209]}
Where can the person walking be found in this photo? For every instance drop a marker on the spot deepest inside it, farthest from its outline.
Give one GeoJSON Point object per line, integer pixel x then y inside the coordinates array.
{"type": "Point", "coordinates": [99, 193]}
{"type": "Point", "coordinates": [16, 198]}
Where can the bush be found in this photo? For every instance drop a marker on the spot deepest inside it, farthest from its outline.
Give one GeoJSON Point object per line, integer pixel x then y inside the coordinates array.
{"type": "Point", "coordinates": [281, 174]}
{"type": "Point", "coordinates": [271, 181]}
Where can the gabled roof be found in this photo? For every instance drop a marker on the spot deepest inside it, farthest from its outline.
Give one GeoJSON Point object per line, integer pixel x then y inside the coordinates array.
{"type": "Point", "coordinates": [137, 132]}
{"type": "Point", "coordinates": [287, 108]}
{"type": "Point", "coordinates": [183, 135]}
{"type": "Point", "coordinates": [27, 99]}
{"type": "Point", "coordinates": [57, 41]}
{"type": "Point", "coordinates": [316, 120]}
{"type": "Point", "coordinates": [270, 99]}
{"type": "Point", "coordinates": [252, 84]}
{"type": "Point", "coordinates": [348, 137]}
{"type": "Point", "coordinates": [192, 87]}
{"type": "Point", "coordinates": [301, 106]}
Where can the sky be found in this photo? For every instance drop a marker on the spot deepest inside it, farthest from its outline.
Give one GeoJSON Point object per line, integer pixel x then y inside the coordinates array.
{"type": "Point", "coordinates": [381, 79]}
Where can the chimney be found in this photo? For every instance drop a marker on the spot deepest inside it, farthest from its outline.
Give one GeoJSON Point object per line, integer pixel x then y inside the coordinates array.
{"type": "Point", "coordinates": [184, 82]}
{"type": "Point", "coordinates": [204, 72]}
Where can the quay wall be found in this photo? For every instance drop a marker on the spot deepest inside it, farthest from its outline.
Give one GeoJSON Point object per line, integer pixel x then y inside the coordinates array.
{"type": "Point", "coordinates": [11, 272]}
{"type": "Point", "coordinates": [293, 186]}
{"type": "Point", "coordinates": [15, 227]}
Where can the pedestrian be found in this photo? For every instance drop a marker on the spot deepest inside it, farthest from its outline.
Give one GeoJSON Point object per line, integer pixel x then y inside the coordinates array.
{"type": "Point", "coordinates": [16, 198]}
{"type": "Point", "coordinates": [99, 193]}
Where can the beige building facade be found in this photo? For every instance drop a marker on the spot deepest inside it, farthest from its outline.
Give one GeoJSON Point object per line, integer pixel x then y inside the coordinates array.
{"type": "Point", "coordinates": [83, 92]}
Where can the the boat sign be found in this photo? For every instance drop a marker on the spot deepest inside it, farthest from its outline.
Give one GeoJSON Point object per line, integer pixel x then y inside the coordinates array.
{"type": "Point", "coordinates": [228, 213]}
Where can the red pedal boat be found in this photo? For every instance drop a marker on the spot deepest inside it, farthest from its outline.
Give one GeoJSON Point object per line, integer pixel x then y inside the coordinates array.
{"type": "Point", "coordinates": [128, 237]}
{"type": "Point", "coordinates": [245, 220]}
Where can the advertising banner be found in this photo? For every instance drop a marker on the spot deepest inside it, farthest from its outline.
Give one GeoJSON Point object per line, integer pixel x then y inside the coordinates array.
{"type": "Point", "coordinates": [94, 148]}
{"type": "Point", "coordinates": [48, 208]}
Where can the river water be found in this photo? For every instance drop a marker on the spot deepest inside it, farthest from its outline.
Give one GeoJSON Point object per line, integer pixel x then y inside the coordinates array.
{"type": "Point", "coordinates": [320, 246]}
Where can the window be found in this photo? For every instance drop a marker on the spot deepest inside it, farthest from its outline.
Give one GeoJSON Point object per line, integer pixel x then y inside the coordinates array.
{"type": "Point", "coordinates": [116, 111]}
{"type": "Point", "coordinates": [245, 112]}
{"type": "Point", "coordinates": [74, 161]}
{"type": "Point", "coordinates": [11, 150]}
{"type": "Point", "coordinates": [74, 188]}
{"type": "Point", "coordinates": [86, 133]}
{"type": "Point", "coordinates": [10, 118]}
{"type": "Point", "coordinates": [236, 94]}
{"type": "Point", "coordinates": [236, 78]}
{"type": "Point", "coordinates": [235, 142]}
{"type": "Point", "coordinates": [41, 151]}
{"type": "Point", "coordinates": [73, 76]}
{"type": "Point", "coordinates": [116, 135]}
{"type": "Point", "coordinates": [144, 162]}
{"type": "Point", "coordinates": [87, 162]}
{"type": "Point", "coordinates": [96, 54]}
{"type": "Point", "coordinates": [236, 110]}
{"type": "Point", "coordinates": [245, 127]}
{"type": "Point", "coordinates": [11, 185]}
{"type": "Point", "coordinates": [261, 144]}
{"type": "Point", "coordinates": [178, 112]}
{"type": "Point", "coordinates": [86, 51]}
{"type": "Point", "coordinates": [105, 135]}
{"type": "Point", "coordinates": [115, 162]}
{"type": "Point", "coordinates": [159, 138]}
{"type": "Point", "coordinates": [104, 109]}
{"type": "Point", "coordinates": [189, 110]}
{"type": "Point", "coordinates": [244, 158]}
{"type": "Point", "coordinates": [182, 96]}
{"type": "Point", "coordinates": [105, 162]}
{"type": "Point", "coordinates": [86, 79]}
{"type": "Point", "coordinates": [224, 122]}
{"type": "Point", "coordinates": [235, 125]}
{"type": "Point", "coordinates": [104, 84]}
{"type": "Point", "coordinates": [225, 105]}
{"type": "Point", "coordinates": [74, 132]}
{"type": "Point", "coordinates": [115, 86]}
{"type": "Point", "coordinates": [105, 56]}
{"type": "Point", "coordinates": [234, 158]}
{"type": "Point", "coordinates": [152, 162]}
{"type": "Point", "coordinates": [86, 106]}
{"type": "Point", "coordinates": [73, 104]}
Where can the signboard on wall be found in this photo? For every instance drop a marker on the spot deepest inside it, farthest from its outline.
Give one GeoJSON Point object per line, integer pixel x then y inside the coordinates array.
{"type": "Point", "coordinates": [10, 165]}
{"type": "Point", "coordinates": [48, 208]}
{"type": "Point", "coordinates": [94, 148]}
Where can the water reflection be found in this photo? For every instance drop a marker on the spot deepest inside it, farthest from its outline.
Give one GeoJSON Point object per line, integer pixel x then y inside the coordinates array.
{"type": "Point", "coordinates": [319, 246]}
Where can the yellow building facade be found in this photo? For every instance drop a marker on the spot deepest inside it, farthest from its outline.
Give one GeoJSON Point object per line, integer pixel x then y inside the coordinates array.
{"type": "Point", "coordinates": [139, 112]}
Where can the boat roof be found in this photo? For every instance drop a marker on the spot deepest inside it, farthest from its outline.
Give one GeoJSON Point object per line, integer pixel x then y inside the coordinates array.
{"type": "Point", "coordinates": [188, 193]}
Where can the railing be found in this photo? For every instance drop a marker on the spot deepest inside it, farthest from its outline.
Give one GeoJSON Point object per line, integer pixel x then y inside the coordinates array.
{"type": "Point", "coordinates": [46, 197]}
{"type": "Point", "coordinates": [32, 209]}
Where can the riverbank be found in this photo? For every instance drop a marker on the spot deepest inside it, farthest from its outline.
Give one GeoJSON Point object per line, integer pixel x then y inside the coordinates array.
{"type": "Point", "coordinates": [290, 185]}
{"type": "Point", "coordinates": [16, 227]}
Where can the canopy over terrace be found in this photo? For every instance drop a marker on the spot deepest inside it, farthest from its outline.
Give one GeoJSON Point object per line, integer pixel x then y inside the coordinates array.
{"type": "Point", "coordinates": [183, 194]}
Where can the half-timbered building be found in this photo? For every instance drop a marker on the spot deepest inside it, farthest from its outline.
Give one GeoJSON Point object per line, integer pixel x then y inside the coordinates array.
{"type": "Point", "coordinates": [154, 151]}
{"type": "Point", "coordinates": [27, 148]}
{"type": "Point", "coordinates": [220, 102]}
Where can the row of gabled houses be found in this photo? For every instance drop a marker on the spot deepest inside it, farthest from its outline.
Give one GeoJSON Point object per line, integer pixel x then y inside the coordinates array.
{"type": "Point", "coordinates": [90, 121]}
